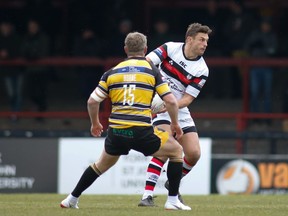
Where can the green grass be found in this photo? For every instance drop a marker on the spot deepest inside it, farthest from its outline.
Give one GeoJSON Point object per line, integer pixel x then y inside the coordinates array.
{"type": "Point", "coordinates": [118, 205]}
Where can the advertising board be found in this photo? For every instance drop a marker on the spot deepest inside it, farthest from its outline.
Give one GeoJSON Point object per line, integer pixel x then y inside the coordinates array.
{"type": "Point", "coordinates": [128, 175]}
{"type": "Point", "coordinates": [250, 174]}
{"type": "Point", "coordinates": [28, 165]}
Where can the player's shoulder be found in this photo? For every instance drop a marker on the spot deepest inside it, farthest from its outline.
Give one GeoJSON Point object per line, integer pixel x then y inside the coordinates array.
{"type": "Point", "coordinates": [173, 44]}
{"type": "Point", "coordinates": [203, 67]}
{"type": "Point", "coordinates": [174, 48]}
{"type": "Point", "coordinates": [203, 62]}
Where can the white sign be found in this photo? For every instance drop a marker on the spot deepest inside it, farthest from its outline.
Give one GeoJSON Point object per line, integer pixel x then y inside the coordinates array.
{"type": "Point", "coordinates": [129, 174]}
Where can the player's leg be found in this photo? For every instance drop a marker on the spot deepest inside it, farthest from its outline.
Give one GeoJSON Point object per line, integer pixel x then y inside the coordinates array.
{"type": "Point", "coordinates": [94, 171]}
{"type": "Point", "coordinates": [153, 173]}
{"type": "Point", "coordinates": [108, 158]}
{"type": "Point", "coordinates": [191, 149]}
{"type": "Point", "coordinates": [173, 151]}
{"type": "Point", "coordinates": [190, 144]}
{"type": "Point", "coordinates": [88, 177]}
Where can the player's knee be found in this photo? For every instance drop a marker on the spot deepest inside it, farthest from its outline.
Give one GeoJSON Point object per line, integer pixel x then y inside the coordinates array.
{"type": "Point", "coordinates": [176, 152]}
{"type": "Point", "coordinates": [196, 154]}
{"type": "Point", "coordinates": [193, 156]}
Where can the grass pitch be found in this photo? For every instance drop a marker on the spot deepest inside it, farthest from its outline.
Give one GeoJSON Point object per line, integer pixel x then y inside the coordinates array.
{"type": "Point", "coordinates": [126, 205]}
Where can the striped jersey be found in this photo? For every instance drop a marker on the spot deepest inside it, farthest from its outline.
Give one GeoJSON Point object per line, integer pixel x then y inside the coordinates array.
{"type": "Point", "coordinates": [183, 75]}
{"type": "Point", "coordinates": [131, 86]}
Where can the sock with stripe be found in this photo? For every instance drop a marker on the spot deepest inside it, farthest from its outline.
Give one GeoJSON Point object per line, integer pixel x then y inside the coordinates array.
{"type": "Point", "coordinates": [186, 167]}
{"type": "Point", "coordinates": [152, 176]}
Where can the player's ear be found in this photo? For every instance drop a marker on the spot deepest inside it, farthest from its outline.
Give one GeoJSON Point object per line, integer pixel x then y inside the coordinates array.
{"type": "Point", "coordinates": [126, 49]}
{"type": "Point", "coordinates": [145, 50]}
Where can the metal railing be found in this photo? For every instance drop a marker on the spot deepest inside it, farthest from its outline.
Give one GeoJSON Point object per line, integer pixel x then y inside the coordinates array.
{"type": "Point", "coordinates": [244, 64]}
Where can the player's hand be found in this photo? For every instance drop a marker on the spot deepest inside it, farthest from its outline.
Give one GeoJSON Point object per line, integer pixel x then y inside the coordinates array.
{"type": "Point", "coordinates": [96, 130]}
{"type": "Point", "coordinates": [176, 131]}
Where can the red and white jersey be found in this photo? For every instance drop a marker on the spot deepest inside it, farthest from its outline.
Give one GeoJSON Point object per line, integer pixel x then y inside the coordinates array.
{"type": "Point", "coordinates": [183, 75]}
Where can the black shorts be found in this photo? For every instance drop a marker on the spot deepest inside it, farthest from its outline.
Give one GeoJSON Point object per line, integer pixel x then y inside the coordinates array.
{"type": "Point", "coordinates": [146, 140]}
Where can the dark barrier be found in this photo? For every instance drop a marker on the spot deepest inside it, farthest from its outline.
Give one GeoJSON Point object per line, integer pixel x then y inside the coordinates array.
{"type": "Point", "coordinates": [28, 165]}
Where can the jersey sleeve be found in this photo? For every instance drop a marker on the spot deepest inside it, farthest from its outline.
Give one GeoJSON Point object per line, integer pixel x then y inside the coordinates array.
{"type": "Point", "coordinates": [103, 86]}
{"type": "Point", "coordinates": [158, 55]}
{"type": "Point", "coordinates": [197, 83]}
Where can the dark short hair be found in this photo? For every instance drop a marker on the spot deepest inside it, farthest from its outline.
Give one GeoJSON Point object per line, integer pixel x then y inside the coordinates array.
{"type": "Point", "coordinates": [195, 28]}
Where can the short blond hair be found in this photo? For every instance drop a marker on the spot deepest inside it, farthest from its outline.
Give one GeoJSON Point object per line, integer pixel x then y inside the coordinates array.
{"type": "Point", "coordinates": [136, 43]}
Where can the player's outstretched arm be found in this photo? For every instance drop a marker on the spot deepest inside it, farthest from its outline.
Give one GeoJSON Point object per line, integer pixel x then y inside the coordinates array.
{"type": "Point", "coordinates": [93, 111]}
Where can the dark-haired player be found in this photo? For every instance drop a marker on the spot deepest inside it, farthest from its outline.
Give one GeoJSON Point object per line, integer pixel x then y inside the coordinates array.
{"type": "Point", "coordinates": [183, 66]}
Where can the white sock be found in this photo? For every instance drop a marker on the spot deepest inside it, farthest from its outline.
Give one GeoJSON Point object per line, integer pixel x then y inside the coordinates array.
{"type": "Point", "coordinates": [173, 199]}
{"type": "Point", "coordinates": [146, 194]}
{"type": "Point", "coordinates": [72, 199]}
